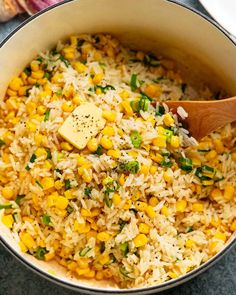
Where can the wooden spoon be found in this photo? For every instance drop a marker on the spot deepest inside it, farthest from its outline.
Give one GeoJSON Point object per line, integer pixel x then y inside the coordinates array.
{"type": "Point", "coordinates": [206, 116]}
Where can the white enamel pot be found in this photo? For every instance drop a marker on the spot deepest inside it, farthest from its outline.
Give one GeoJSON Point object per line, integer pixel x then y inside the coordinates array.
{"type": "Point", "coordinates": [200, 47]}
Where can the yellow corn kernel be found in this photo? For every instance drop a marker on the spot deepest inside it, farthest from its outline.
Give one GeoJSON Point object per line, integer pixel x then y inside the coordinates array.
{"type": "Point", "coordinates": [68, 194]}
{"type": "Point", "coordinates": [141, 206]}
{"type": "Point", "coordinates": [116, 199]}
{"type": "Point", "coordinates": [87, 177]}
{"type": "Point", "coordinates": [72, 265]}
{"type": "Point", "coordinates": [104, 258]}
{"type": "Point", "coordinates": [8, 192]}
{"type": "Point", "coordinates": [41, 109]}
{"type": "Point", "coordinates": [211, 155]}
{"type": "Point", "coordinates": [95, 212]}
{"type": "Point", "coordinates": [216, 194]}
{"type": "Point", "coordinates": [167, 176]}
{"type": "Point", "coordinates": [98, 91]}
{"type": "Point", "coordinates": [79, 67]}
{"type": "Point", "coordinates": [114, 153]}
{"type": "Point", "coordinates": [168, 120]}
{"type": "Point", "coordinates": [233, 155]}
{"type": "Point", "coordinates": [34, 65]}
{"type": "Point", "coordinates": [103, 236]}
{"type": "Point", "coordinates": [175, 141]}
{"type": "Point", "coordinates": [122, 179]}
{"type": "Point", "coordinates": [215, 222]}
{"type": "Point", "coordinates": [51, 200]}
{"type": "Point", "coordinates": [92, 145]}
{"type": "Point", "coordinates": [31, 126]}
{"type": "Point", "coordinates": [153, 201]}
{"type": "Point", "coordinates": [40, 152]}
{"type": "Point", "coordinates": [8, 220]}
{"type": "Point", "coordinates": [47, 183]}
{"type": "Point", "coordinates": [91, 234]}
{"type": "Point", "coordinates": [90, 274]}
{"type": "Point", "coordinates": [81, 228]}
{"type": "Point", "coordinates": [172, 275]}
{"type": "Point", "coordinates": [85, 212]}
{"type": "Point", "coordinates": [28, 240]}
{"type": "Point", "coordinates": [219, 146]}
{"type": "Point", "coordinates": [67, 107]}
{"type": "Point", "coordinates": [144, 228]}
{"type": "Point", "coordinates": [150, 212]}
{"type": "Point", "coordinates": [153, 90]}
{"type": "Point", "coordinates": [11, 92]}
{"type": "Point", "coordinates": [140, 240]}
{"type": "Point", "coordinates": [181, 205]}
{"type": "Point", "coordinates": [233, 225]}
{"type": "Point", "coordinates": [37, 75]}
{"type": "Point", "coordinates": [189, 243]}
{"type": "Point", "coordinates": [198, 189]}
{"type": "Point", "coordinates": [106, 143]}
{"type": "Point", "coordinates": [23, 90]}
{"type": "Point", "coordinates": [165, 211]}
{"type": "Point", "coordinates": [66, 146]}
{"type": "Point", "coordinates": [220, 236]}
{"type": "Point", "coordinates": [61, 202]}
{"type": "Point", "coordinates": [133, 154]}
{"type": "Point", "coordinates": [38, 138]}
{"type": "Point", "coordinates": [30, 107]}
{"type": "Point", "coordinates": [212, 246]}
{"type": "Point", "coordinates": [153, 169]}
{"type": "Point", "coordinates": [99, 275]}
{"type": "Point", "coordinates": [124, 94]}
{"type": "Point", "coordinates": [32, 81]}
{"type": "Point", "coordinates": [77, 100]}
{"type": "Point", "coordinates": [127, 108]}
{"type": "Point", "coordinates": [81, 161]}
{"type": "Point", "coordinates": [108, 130]}
{"type": "Point", "coordinates": [47, 165]}
{"type": "Point", "coordinates": [196, 162]}
{"type": "Point", "coordinates": [198, 207]}
{"type": "Point", "coordinates": [127, 205]}
{"type": "Point", "coordinates": [160, 141]}
{"type": "Point", "coordinates": [144, 169]}
{"type": "Point", "coordinates": [15, 84]}
{"type": "Point", "coordinates": [22, 246]}
{"type": "Point", "coordinates": [111, 117]}
{"type": "Point", "coordinates": [49, 256]}
{"type": "Point", "coordinates": [229, 192]}
{"type": "Point", "coordinates": [83, 271]}
{"type": "Point", "coordinates": [97, 78]}
{"type": "Point", "coordinates": [107, 180]}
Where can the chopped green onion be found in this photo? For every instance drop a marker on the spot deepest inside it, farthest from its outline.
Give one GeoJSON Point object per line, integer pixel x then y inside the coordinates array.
{"type": "Point", "coordinates": [40, 59]}
{"type": "Point", "coordinates": [160, 110]}
{"type": "Point", "coordinates": [5, 206]}
{"type": "Point", "coordinates": [99, 150]}
{"type": "Point", "coordinates": [58, 171]}
{"type": "Point", "coordinates": [2, 143]}
{"type": "Point", "coordinates": [63, 59]}
{"type": "Point", "coordinates": [107, 200]}
{"type": "Point", "coordinates": [84, 251]}
{"type": "Point", "coordinates": [67, 184]}
{"type": "Point", "coordinates": [131, 167]}
{"type": "Point", "coordinates": [203, 151]}
{"type": "Point", "coordinates": [27, 168]}
{"type": "Point", "coordinates": [189, 229]}
{"type": "Point", "coordinates": [46, 219]}
{"type": "Point", "coordinates": [143, 104]}
{"type": "Point", "coordinates": [166, 162]}
{"type": "Point", "coordinates": [124, 248]}
{"type": "Point", "coordinates": [46, 115]}
{"type": "Point", "coordinates": [104, 89]}
{"type": "Point", "coordinates": [18, 199]}
{"type": "Point", "coordinates": [124, 272]}
{"type": "Point", "coordinates": [47, 75]}
{"type": "Point", "coordinates": [136, 139]}
{"type": "Point", "coordinates": [40, 253]}
{"type": "Point", "coordinates": [49, 155]}
{"type": "Point", "coordinates": [69, 209]}
{"type": "Point", "coordinates": [112, 186]}
{"type": "Point", "coordinates": [208, 171]}
{"type": "Point", "coordinates": [151, 60]}
{"type": "Point", "coordinates": [112, 257]}
{"type": "Point", "coordinates": [186, 164]}
{"type": "Point", "coordinates": [143, 95]}
{"type": "Point", "coordinates": [39, 184]}
{"type": "Point", "coordinates": [33, 158]}
{"type": "Point", "coordinates": [133, 82]}
{"type": "Point", "coordinates": [169, 134]}
{"type": "Point", "coordinates": [122, 224]}
{"type": "Point", "coordinates": [87, 191]}
{"type": "Point", "coordinates": [27, 71]}
{"type": "Point", "coordinates": [135, 105]}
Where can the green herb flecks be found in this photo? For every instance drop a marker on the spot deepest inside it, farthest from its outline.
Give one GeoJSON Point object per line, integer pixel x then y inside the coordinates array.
{"type": "Point", "coordinates": [166, 162]}
{"type": "Point", "coordinates": [27, 71]}
{"type": "Point", "coordinates": [87, 191]}
{"type": "Point", "coordinates": [40, 253]}
{"type": "Point", "coordinates": [99, 150]}
{"type": "Point", "coordinates": [63, 59]}
{"type": "Point", "coordinates": [5, 206]}
{"type": "Point", "coordinates": [19, 199]}
{"type": "Point", "coordinates": [104, 89]}
{"type": "Point", "coordinates": [143, 104]}
{"type": "Point", "coordinates": [151, 60]}
{"type": "Point", "coordinates": [46, 115]}
{"type": "Point", "coordinates": [69, 209]}
{"type": "Point", "coordinates": [136, 139]}
{"type": "Point", "coordinates": [84, 251]}
{"type": "Point", "coordinates": [134, 82]}
{"type": "Point", "coordinates": [39, 184]}
{"type": "Point", "coordinates": [107, 199]}
{"type": "Point", "coordinates": [33, 158]}
{"type": "Point", "coordinates": [130, 167]}
{"type": "Point", "coordinates": [67, 184]}
{"type": "Point", "coordinates": [49, 155]}
{"type": "Point", "coordinates": [46, 219]}
{"type": "Point", "coordinates": [124, 248]}
{"type": "Point", "coordinates": [124, 272]}
{"type": "Point", "coordinates": [122, 224]}
{"type": "Point", "coordinates": [2, 143]}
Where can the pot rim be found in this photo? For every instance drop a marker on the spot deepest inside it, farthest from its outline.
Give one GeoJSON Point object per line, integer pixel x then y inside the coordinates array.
{"type": "Point", "coordinates": [87, 289]}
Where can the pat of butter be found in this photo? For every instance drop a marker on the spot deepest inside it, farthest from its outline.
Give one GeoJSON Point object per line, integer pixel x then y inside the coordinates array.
{"type": "Point", "coordinates": [84, 123]}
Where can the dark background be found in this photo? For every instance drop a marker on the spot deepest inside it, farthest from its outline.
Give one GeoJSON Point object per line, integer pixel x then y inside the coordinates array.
{"type": "Point", "coordinates": [16, 279]}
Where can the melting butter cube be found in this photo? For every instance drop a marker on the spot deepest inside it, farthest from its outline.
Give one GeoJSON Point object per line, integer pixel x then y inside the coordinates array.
{"type": "Point", "coordinates": [84, 123]}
